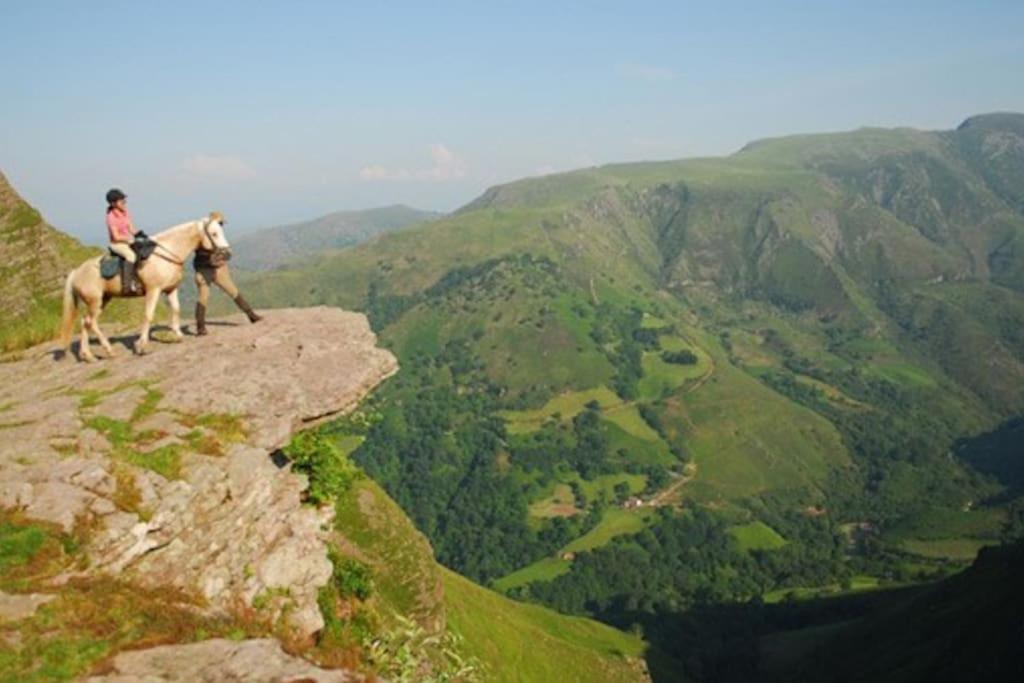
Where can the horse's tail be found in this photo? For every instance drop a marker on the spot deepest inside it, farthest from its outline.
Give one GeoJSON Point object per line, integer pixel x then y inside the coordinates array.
{"type": "Point", "coordinates": [67, 321]}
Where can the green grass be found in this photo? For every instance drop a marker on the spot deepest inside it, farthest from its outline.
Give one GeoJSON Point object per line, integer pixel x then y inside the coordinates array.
{"type": "Point", "coordinates": [545, 569]}
{"type": "Point", "coordinates": [757, 536]}
{"type": "Point", "coordinates": [126, 445]}
{"type": "Point", "coordinates": [19, 543]}
{"type": "Point", "coordinates": [653, 322]}
{"type": "Point", "coordinates": [605, 484]}
{"type": "Point", "coordinates": [904, 374]}
{"type": "Point", "coordinates": [521, 642]}
{"type": "Point", "coordinates": [857, 584]}
{"type": "Point", "coordinates": [661, 378]}
{"type": "Point", "coordinates": [949, 548]}
{"type": "Point", "coordinates": [627, 417]}
{"type": "Point", "coordinates": [378, 532]}
{"type": "Point", "coordinates": [746, 439]}
{"type": "Point", "coordinates": [567, 405]}
{"type": "Point", "coordinates": [561, 503]}
{"type": "Point", "coordinates": [642, 451]}
{"type": "Point", "coordinates": [616, 522]}
{"type": "Point", "coordinates": [940, 523]}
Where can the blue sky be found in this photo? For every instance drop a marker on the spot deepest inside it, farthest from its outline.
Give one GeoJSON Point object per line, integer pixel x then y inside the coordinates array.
{"type": "Point", "coordinates": [275, 112]}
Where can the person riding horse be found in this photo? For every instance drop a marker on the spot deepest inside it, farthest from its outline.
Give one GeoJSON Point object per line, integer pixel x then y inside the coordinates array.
{"type": "Point", "coordinates": [122, 233]}
{"type": "Point", "coordinates": [212, 269]}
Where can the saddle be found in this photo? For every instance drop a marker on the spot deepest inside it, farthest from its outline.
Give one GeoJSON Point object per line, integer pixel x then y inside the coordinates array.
{"type": "Point", "coordinates": [113, 264]}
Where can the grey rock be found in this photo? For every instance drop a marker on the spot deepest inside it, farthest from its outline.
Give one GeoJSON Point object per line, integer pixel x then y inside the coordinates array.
{"type": "Point", "coordinates": [234, 526]}
{"type": "Point", "coordinates": [217, 661]}
{"type": "Point", "coordinates": [15, 607]}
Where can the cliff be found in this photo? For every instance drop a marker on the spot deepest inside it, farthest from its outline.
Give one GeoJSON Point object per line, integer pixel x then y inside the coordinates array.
{"type": "Point", "coordinates": [152, 527]}
{"type": "Point", "coordinates": [161, 472]}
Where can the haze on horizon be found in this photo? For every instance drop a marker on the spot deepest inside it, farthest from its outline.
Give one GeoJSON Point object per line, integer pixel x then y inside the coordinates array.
{"type": "Point", "coordinates": [280, 113]}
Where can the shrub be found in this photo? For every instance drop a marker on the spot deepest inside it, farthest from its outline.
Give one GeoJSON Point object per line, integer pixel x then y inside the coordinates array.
{"type": "Point", "coordinates": [330, 472]}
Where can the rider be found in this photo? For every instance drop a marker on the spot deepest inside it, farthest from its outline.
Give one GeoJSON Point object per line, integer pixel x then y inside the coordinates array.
{"type": "Point", "coordinates": [212, 269]}
{"type": "Point", "coordinates": [122, 233]}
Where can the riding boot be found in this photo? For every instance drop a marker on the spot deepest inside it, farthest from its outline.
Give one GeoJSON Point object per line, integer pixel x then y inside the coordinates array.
{"type": "Point", "coordinates": [127, 277]}
{"type": "Point", "coordinates": [247, 309]}
{"type": "Point", "coordinates": [200, 320]}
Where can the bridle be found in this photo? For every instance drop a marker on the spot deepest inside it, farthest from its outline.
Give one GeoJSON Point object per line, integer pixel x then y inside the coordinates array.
{"type": "Point", "coordinates": [173, 258]}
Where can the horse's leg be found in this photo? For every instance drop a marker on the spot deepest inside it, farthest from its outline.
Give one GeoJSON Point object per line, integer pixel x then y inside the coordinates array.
{"type": "Point", "coordinates": [95, 309]}
{"type": "Point", "coordinates": [152, 297]}
{"type": "Point", "coordinates": [172, 299]}
{"type": "Point", "coordinates": [84, 352]}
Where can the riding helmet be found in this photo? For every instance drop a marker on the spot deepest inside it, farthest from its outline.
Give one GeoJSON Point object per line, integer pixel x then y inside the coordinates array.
{"type": "Point", "coordinates": [115, 195]}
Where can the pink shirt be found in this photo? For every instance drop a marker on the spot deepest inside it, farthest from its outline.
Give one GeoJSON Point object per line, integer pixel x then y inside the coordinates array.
{"type": "Point", "coordinates": [119, 225]}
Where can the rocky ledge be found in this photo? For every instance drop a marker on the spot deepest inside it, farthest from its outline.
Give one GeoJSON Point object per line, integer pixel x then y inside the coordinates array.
{"type": "Point", "coordinates": [168, 459]}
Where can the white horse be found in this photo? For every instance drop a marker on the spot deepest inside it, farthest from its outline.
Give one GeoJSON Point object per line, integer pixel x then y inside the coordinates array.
{"type": "Point", "coordinates": [161, 272]}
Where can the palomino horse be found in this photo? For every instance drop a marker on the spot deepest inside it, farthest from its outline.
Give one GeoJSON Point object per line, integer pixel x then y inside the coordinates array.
{"type": "Point", "coordinates": [161, 272]}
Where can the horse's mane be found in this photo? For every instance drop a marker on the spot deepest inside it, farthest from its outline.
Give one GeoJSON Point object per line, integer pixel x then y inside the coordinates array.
{"type": "Point", "coordinates": [175, 228]}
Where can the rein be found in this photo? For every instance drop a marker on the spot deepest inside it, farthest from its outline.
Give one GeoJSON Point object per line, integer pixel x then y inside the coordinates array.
{"type": "Point", "coordinates": [171, 256]}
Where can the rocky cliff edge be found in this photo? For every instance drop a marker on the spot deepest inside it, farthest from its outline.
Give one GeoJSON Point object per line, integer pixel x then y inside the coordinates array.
{"type": "Point", "coordinates": [167, 462]}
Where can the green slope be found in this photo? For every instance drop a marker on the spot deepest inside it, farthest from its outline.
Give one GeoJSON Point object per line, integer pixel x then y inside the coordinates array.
{"type": "Point", "coordinates": [519, 642]}
{"type": "Point", "coordinates": [34, 259]}
{"type": "Point", "coordinates": [854, 301]}
{"type": "Point", "coordinates": [415, 620]}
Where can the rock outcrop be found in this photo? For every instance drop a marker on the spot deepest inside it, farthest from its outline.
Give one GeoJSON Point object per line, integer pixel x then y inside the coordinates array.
{"type": "Point", "coordinates": [216, 661]}
{"type": "Point", "coordinates": [168, 458]}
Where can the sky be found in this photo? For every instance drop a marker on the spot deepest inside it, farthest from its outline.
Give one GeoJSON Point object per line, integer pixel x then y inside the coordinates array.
{"type": "Point", "coordinates": [276, 112]}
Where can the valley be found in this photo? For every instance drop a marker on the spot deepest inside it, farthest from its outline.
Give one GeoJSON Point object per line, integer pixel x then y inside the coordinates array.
{"type": "Point", "coordinates": [774, 347]}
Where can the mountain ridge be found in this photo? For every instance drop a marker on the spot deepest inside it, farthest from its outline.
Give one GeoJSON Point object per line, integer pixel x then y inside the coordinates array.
{"type": "Point", "coordinates": [778, 348]}
{"type": "Point", "coordinates": [269, 248]}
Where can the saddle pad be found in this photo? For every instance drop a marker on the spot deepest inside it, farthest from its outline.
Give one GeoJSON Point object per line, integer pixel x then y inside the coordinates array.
{"type": "Point", "coordinates": [110, 266]}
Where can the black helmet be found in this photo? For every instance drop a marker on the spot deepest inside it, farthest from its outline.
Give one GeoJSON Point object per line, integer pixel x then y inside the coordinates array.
{"type": "Point", "coordinates": [115, 195]}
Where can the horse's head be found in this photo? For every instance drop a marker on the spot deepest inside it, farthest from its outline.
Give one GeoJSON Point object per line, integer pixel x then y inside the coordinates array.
{"type": "Point", "coordinates": [211, 231]}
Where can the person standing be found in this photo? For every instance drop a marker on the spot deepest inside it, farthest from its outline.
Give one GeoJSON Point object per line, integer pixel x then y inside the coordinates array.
{"type": "Point", "coordinates": [212, 269]}
{"type": "Point", "coordinates": [122, 233]}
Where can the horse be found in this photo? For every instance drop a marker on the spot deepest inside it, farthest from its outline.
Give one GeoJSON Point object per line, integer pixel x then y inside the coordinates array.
{"type": "Point", "coordinates": [160, 273]}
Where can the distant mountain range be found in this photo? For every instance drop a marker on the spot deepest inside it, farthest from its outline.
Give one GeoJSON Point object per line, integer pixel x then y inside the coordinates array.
{"type": "Point", "coordinates": [270, 248]}
{"type": "Point", "coordinates": [788, 343]}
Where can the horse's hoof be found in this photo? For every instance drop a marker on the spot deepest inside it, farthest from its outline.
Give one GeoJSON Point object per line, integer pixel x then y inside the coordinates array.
{"type": "Point", "coordinates": [88, 359]}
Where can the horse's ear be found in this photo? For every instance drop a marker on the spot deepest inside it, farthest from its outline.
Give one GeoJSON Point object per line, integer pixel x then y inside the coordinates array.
{"type": "Point", "coordinates": [217, 216]}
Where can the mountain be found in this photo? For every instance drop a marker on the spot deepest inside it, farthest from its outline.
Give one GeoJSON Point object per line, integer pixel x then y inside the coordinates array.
{"type": "Point", "coordinates": [270, 248]}
{"type": "Point", "coordinates": [776, 353]}
{"type": "Point", "coordinates": [152, 530]}
{"type": "Point", "coordinates": [35, 259]}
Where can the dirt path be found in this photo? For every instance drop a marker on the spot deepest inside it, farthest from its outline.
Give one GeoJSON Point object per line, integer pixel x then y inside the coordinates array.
{"type": "Point", "coordinates": [662, 497]}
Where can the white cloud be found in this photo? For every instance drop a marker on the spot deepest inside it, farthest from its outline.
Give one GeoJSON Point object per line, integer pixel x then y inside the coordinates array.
{"type": "Point", "coordinates": [446, 166]}
{"type": "Point", "coordinates": [218, 167]}
{"type": "Point", "coordinates": [645, 72]}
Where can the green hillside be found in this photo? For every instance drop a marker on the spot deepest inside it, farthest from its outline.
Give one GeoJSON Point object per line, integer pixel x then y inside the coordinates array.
{"type": "Point", "coordinates": [34, 259]}
{"type": "Point", "coordinates": [391, 609]}
{"type": "Point", "coordinates": [794, 337]}
{"type": "Point", "coordinates": [271, 247]}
